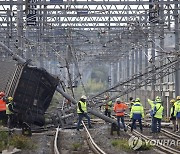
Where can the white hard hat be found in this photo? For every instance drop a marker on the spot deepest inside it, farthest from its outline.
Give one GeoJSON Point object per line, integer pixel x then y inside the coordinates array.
{"type": "Point", "coordinates": [83, 97]}
{"type": "Point", "coordinates": [118, 100]}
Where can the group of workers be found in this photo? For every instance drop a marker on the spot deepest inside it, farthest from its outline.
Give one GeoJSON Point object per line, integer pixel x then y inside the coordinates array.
{"type": "Point", "coordinates": [6, 109]}
{"type": "Point", "coordinates": [136, 112]}
{"type": "Point", "coordinates": [119, 107]}
{"type": "Point", "coordinates": [175, 113]}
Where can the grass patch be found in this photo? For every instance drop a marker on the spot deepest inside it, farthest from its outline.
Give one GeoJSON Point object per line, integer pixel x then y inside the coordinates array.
{"type": "Point", "coordinates": [121, 144]}
{"type": "Point", "coordinates": [76, 146]}
{"type": "Point", "coordinates": [124, 145]}
{"type": "Point", "coordinates": [22, 142]}
{"type": "Point", "coordinates": [3, 140]}
{"type": "Point", "coordinates": [145, 146]}
{"type": "Point", "coordinates": [18, 141]}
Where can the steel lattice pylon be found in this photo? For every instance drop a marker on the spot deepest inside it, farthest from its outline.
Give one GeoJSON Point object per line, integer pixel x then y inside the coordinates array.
{"type": "Point", "coordinates": [89, 31]}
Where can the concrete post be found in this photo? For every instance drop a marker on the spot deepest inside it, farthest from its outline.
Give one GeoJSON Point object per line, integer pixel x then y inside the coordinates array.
{"type": "Point", "coordinates": [177, 73]}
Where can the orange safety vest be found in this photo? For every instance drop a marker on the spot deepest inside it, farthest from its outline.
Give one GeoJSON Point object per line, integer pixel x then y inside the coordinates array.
{"type": "Point", "coordinates": [119, 109]}
{"type": "Point", "coordinates": [2, 105]}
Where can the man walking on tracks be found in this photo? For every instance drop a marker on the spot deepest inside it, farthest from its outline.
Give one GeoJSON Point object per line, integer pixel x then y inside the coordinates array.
{"type": "Point", "coordinates": [137, 113]}
{"type": "Point", "coordinates": [82, 111]}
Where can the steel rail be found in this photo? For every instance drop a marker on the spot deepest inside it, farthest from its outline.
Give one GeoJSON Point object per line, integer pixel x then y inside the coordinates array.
{"type": "Point", "coordinates": [56, 151]}
{"type": "Point", "coordinates": [162, 147]}
{"type": "Point", "coordinates": [96, 149]}
{"type": "Point", "coordinates": [170, 134]}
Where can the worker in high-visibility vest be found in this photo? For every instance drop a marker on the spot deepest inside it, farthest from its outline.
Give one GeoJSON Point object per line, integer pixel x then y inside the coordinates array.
{"type": "Point", "coordinates": [152, 103]}
{"type": "Point", "coordinates": [177, 112]}
{"type": "Point", "coordinates": [131, 102]}
{"type": "Point", "coordinates": [108, 107]}
{"type": "Point", "coordinates": [137, 113]}
{"type": "Point", "coordinates": [10, 111]}
{"type": "Point", "coordinates": [3, 116]}
{"type": "Point", "coordinates": [82, 111]}
{"type": "Point", "coordinates": [120, 108]}
{"type": "Point", "coordinates": [157, 115]}
{"type": "Point", "coordinates": [172, 114]}
{"type": "Point", "coordinates": [2, 102]}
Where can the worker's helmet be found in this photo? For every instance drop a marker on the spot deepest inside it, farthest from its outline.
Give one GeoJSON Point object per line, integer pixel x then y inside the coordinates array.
{"type": "Point", "coordinates": [2, 94]}
{"type": "Point", "coordinates": [158, 99]}
{"type": "Point", "coordinates": [178, 98]}
{"type": "Point", "coordinates": [137, 100]}
{"type": "Point", "coordinates": [118, 100]}
{"type": "Point", "coordinates": [83, 97]}
{"type": "Point", "coordinates": [10, 99]}
{"type": "Point", "coordinates": [172, 101]}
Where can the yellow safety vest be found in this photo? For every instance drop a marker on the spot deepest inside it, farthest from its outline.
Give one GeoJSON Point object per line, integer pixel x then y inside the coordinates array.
{"type": "Point", "coordinates": [137, 108]}
{"type": "Point", "coordinates": [108, 106]}
{"type": "Point", "coordinates": [159, 111]}
{"type": "Point", "coordinates": [83, 107]}
{"type": "Point", "coordinates": [177, 107]}
{"type": "Point", "coordinates": [7, 109]}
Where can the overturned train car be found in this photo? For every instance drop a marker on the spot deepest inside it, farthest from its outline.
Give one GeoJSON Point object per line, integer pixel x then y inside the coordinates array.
{"type": "Point", "coordinates": [32, 89]}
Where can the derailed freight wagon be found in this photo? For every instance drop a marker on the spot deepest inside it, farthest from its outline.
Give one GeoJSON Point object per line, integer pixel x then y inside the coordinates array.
{"type": "Point", "coordinates": [32, 89]}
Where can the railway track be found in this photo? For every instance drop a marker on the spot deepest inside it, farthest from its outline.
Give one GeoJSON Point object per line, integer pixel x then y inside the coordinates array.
{"type": "Point", "coordinates": [162, 147]}
{"type": "Point", "coordinates": [93, 147]}
{"type": "Point", "coordinates": [170, 134]}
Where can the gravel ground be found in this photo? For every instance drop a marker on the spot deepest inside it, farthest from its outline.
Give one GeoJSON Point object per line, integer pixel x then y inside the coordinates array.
{"type": "Point", "coordinates": [72, 142]}
{"type": "Point", "coordinates": [101, 135]}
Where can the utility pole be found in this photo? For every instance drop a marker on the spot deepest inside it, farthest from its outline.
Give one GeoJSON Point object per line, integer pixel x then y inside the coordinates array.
{"type": "Point", "coordinates": [20, 28]}
{"type": "Point", "coordinates": [136, 66]}
{"type": "Point", "coordinates": [153, 59]}
{"type": "Point", "coordinates": [8, 28]}
{"type": "Point", "coordinates": [161, 49]}
{"type": "Point", "coordinates": [146, 65]}
{"type": "Point", "coordinates": [128, 69]}
{"type": "Point", "coordinates": [177, 73]}
{"type": "Point", "coordinates": [111, 74]}
{"type": "Point", "coordinates": [132, 63]}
